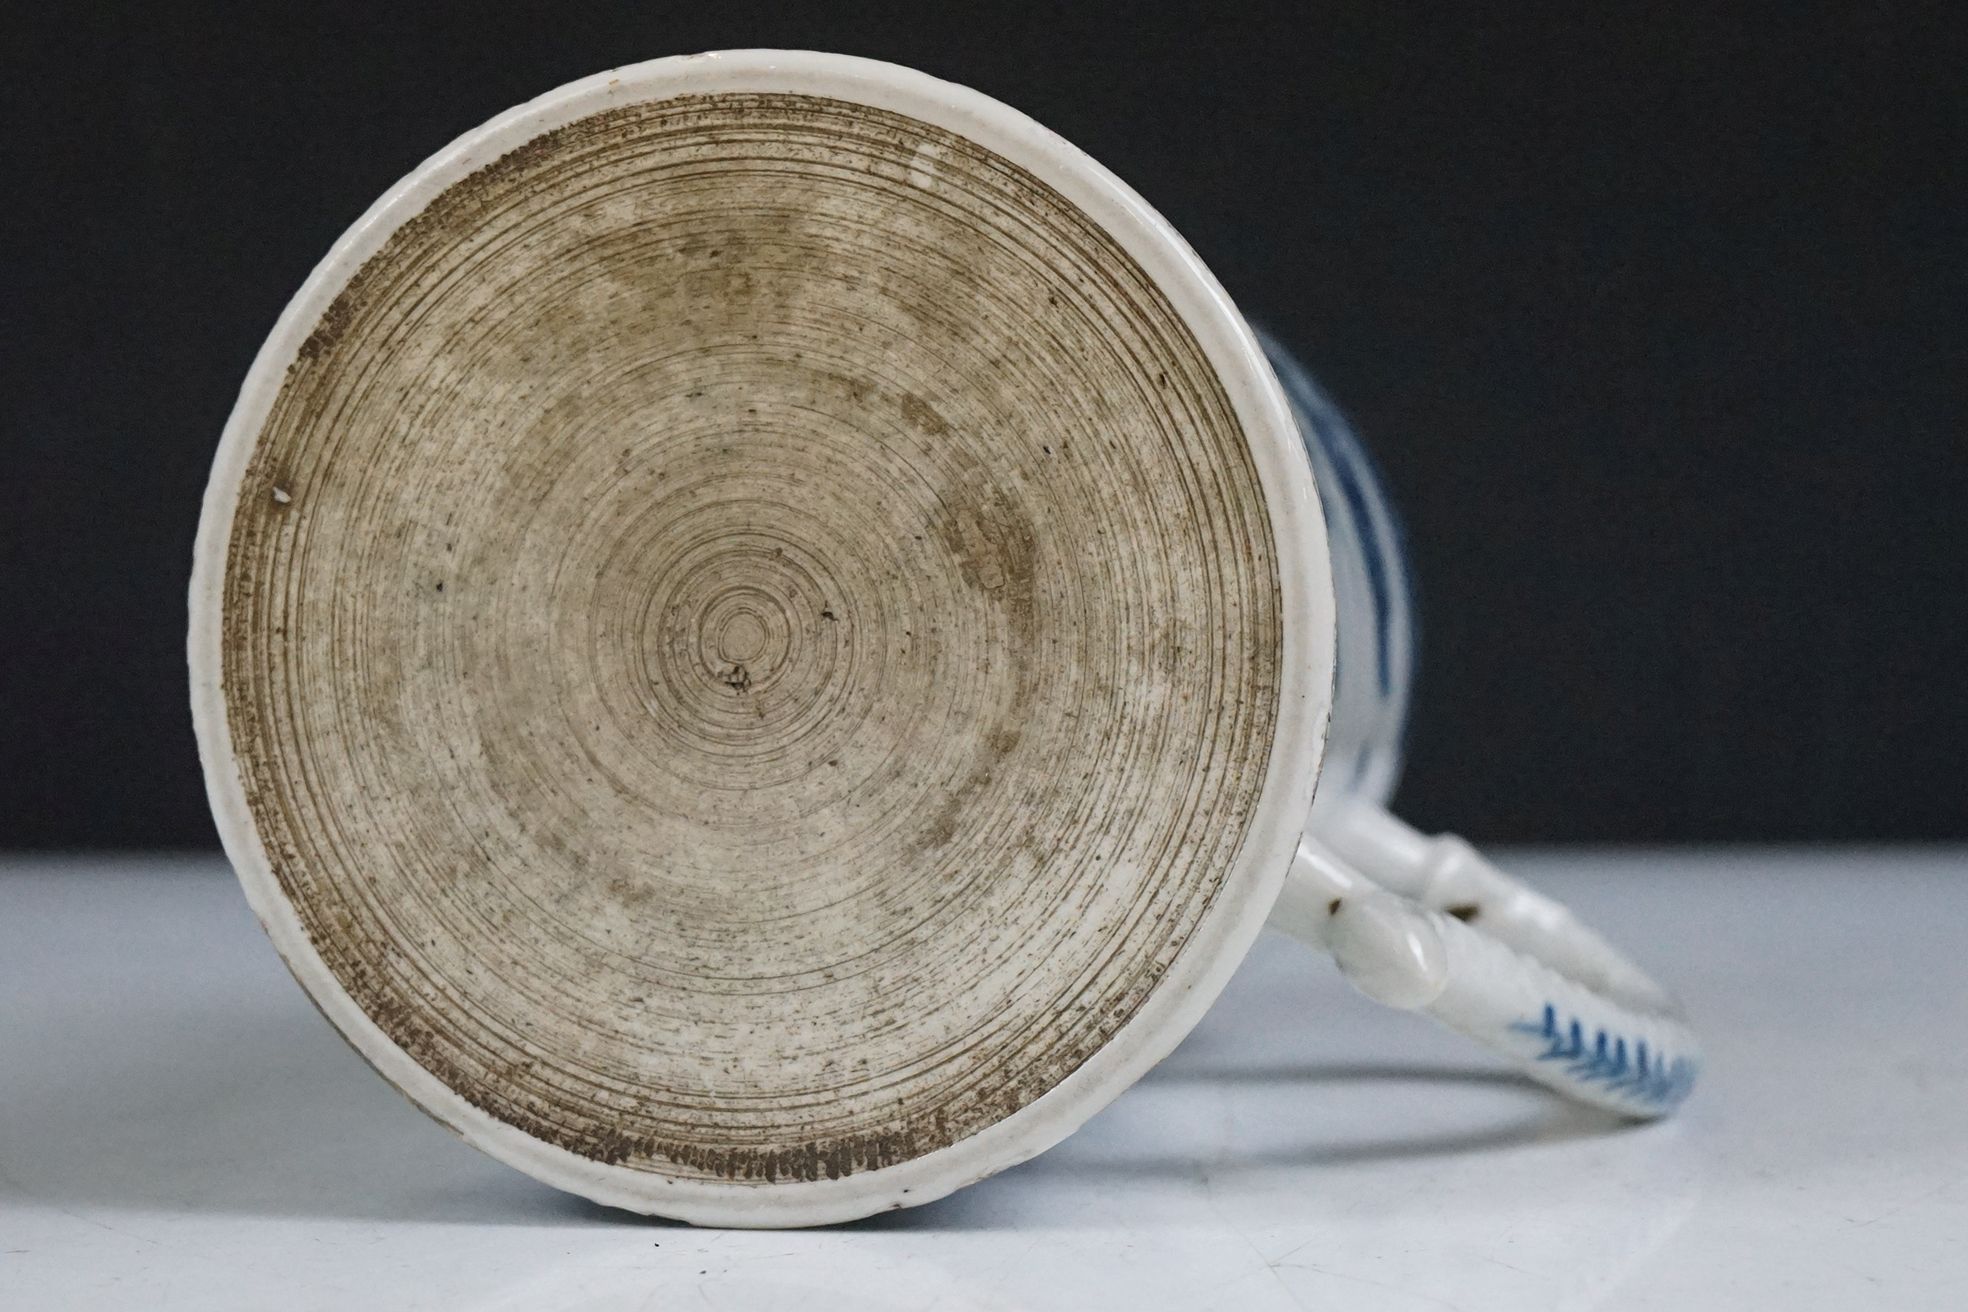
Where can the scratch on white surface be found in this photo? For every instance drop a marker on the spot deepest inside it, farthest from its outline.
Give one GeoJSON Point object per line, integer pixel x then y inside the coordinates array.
{"type": "Point", "coordinates": [1508, 1266]}
{"type": "Point", "coordinates": [73, 1215]}
{"type": "Point", "coordinates": [1905, 1203]}
{"type": "Point", "coordinates": [1230, 1227]}
{"type": "Point", "coordinates": [1290, 1293]}
{"type": "Point", "coordinates": [1291, 1252]}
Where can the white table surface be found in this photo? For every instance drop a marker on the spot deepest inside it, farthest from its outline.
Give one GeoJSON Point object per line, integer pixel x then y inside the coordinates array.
{"type": "Point", "coordinates": [178, 1129]}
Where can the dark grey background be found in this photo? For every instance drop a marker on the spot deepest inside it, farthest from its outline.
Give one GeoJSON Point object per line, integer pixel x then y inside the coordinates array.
{"type": "Point", "coordinates": [1655, 322]}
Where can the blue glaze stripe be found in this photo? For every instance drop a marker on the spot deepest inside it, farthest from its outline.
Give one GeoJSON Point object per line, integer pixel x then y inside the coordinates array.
{"type": "Point", "coordinates": [1600, 1056]}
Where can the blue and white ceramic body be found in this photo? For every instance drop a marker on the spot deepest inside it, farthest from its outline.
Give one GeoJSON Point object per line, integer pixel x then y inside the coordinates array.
{"type": "Point", "coordinates": [1373, 593]}
{"type": "Point", "coordinates": [1426, 923]}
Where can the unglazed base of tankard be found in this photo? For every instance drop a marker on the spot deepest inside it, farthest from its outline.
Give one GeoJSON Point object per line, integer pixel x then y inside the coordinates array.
{"type": "Point", "coordinates": [747, 645]}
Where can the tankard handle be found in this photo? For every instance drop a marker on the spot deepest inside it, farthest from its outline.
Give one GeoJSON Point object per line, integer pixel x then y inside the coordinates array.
{"type": "Point", "coordinates": [1427, 924]}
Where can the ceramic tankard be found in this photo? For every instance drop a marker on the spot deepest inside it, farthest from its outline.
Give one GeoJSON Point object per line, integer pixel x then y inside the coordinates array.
{"type": "Point", "coordinates": [763, 637]}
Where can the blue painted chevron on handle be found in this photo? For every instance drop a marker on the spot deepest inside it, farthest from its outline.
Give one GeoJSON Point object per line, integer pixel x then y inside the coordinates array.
{"type": "Point", "coordinates": [1599, 1056]}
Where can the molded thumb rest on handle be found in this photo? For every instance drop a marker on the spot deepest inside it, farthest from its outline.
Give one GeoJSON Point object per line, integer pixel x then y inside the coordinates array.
{"type": "Point", "coordinates": [1427, 924]}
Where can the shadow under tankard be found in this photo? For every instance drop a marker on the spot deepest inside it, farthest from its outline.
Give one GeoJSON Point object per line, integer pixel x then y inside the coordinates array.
{"type": "Point", "coordinates": [262, 1110]}
{"type": "Point", "coordinates": [166, 1088]}
{"type": "Point", "coordinates": [203, 1084]}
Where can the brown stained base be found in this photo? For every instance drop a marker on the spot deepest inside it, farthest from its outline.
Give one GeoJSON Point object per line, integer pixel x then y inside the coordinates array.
{"type": "Point", "coordinates": [753, 637]}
